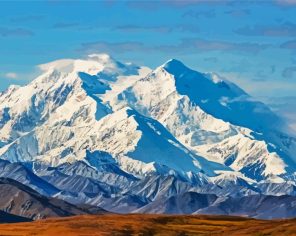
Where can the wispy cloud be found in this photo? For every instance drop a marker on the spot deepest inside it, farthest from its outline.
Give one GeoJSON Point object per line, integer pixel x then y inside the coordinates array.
{"type": "Point", "coordinates": [287, 3]}
{"type": "Point", "coordinates": [289, 72]}
{"type": "Point", "coordinates": [289, 45]}
{"type": "Point", "coordinates": [197, 45]}
{"type": "Point", "coordinates": [11, 75]}
{"type": "Point", "coordinates": [258, 87]}
{"type": "Point", "coordinates": [65, 25]}
{"type": "Point", "coordinates": [199, 14]}
{"type": "Point", "coordinates": [238, 12]}
{"type": "Point", "coordinates": [285, 106]}
{"type": "Point", "coordinates": [159, 29]}
{"type": "Point", "coordinates": [211, 59]}
{"type": "Point", "coordinates": [28, 18]}
{"type": "Point", "coordinates": [152, 5]}
{"type": "Point", "coordinates": [190, 45]}
{"type": "Point", "coordinates": [113, 48]}
{"type": "Point", "coordinates": [272, 69]}
{"type": "Point", "coordinates": [15, 32]}
{"type": "Point", "coordinates": [136, 28]}
{"type": "Point", "coordinates": [285, 29]}
{"type": "Point", "coordinates": [77, 26]}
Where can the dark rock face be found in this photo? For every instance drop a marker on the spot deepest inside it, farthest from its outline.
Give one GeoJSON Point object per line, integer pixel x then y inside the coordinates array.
{"type": "Point", "coordinates": [18, 199]}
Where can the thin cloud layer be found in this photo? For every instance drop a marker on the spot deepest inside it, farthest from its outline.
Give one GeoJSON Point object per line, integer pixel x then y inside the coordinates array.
{"type": "Point", "coordinates": [153, 5]}
{"type": "Point", "coordinates": [199, 45]}
{"type": "Point", "coordinates": [289, 45]}
{"type": "Point", "coordinates": [289, 72]}
{"type": "Point", "coordinates": [211, 59]}
{"type": "Point", "coordinates": [186, 46]}
{"type": "Point", "coordinates": [238, 12]}
{"type": "Point", "coordinates": [11, 75]}
{"type": "Point", "coordinates": [285, 29]}
{"type": "Point", "coordinates": [15, 32]}
{"type": "Point", "coordinates": [112, 48]}
{"type": "Point", "coordinates": [200, 14]}
{"type": "Point", "coordinates": [65, 25]}
{"type": "Point", "coordinates": [28, 18]}
{"type": "Point", "coordinates": [285, 106]}
{"type": "Point", "coordinates": [158, 29]}
{"type": "Point", "coordinates": [287, 3]}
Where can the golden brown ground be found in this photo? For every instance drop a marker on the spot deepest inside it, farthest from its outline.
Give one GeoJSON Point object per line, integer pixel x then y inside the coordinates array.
{"type": "Point", "coordinates": [133, 224]}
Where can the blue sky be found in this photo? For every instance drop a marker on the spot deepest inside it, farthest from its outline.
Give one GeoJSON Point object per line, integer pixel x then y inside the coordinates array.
{"type": "Point", "coordinates": [251, 44]}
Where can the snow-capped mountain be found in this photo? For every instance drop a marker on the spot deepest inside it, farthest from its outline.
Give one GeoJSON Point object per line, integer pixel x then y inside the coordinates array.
{"type": "Point", "coordinates": [107, 133]}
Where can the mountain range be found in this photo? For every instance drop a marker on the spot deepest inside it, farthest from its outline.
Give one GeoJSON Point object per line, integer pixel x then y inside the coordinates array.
{"type": "Point", "coordinates": [126, 138]}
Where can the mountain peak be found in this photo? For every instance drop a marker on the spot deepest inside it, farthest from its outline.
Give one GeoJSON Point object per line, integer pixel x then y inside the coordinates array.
{"type": "Point", "coordinates": [173, 62]}
{"type": "Point", "coordinates": [175, 67]}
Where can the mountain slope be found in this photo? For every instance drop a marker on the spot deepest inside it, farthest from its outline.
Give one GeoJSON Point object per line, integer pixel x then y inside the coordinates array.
{"type": "Point", "coordinates": [9, 218]}
{"type": "Point", "coordinates": [20, 173]}
{"type": "Point", "coordinates": [18, 199]}
{"type": "Point", "coordinates": [255, 206]}
{"type": "Point", "coordinates": [186, 203]}
{"type": "Point", "coordinates": [194, 108]}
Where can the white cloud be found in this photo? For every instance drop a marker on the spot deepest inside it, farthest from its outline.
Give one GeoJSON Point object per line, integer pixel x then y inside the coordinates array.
{"type": "Point", "coordinates": [11, 75]}
{"type": "Point", "coordinates": [258, 88]}
{"type": "Point", "coordinates": [285, 107]}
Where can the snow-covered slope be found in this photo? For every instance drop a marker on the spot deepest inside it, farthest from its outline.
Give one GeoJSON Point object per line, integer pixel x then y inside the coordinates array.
{"type": "Point", "coordinates": [60, 115]}
{"type": "Point", "coordinates": [116, 129]}
{"type": "Point", "coordinates": [213, 118]}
